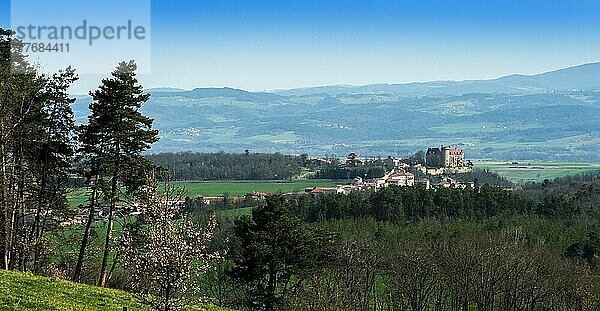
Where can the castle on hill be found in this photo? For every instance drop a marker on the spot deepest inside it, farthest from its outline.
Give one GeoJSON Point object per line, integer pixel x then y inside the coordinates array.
{"type": "Point", "coordinates": [445, 157]}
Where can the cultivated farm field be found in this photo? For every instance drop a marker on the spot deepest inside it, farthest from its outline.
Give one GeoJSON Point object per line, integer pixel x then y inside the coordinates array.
{"type": "Point", "coordinates": [525, 171]}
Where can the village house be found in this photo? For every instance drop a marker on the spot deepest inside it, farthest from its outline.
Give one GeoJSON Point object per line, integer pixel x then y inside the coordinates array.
{"type": "Point", "coordinates": [258, 196]}
{"type": "Point", "coordinates": [357, 181]}
{"type": "Point", "coordinates": [402, 179]}
{"type": "Point", "coordinates": [455, 184]}
{"type": "Point", "coordinates": [347, 189]}
{"type": "Point", "coordinates": [323, 190]}
{"type": "Point", "coordinates": [211, 200]}
{"type": "Point", "coordinates": [179, 202]}
{"type": "Point", "coordinates": [380, 183]}
{"type": "Point", "coordinates": [423, 182]}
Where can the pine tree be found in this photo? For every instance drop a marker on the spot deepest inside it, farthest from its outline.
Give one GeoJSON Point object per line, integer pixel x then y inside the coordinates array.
{"type": "Point", "coordinates": [277, 252]}
{"type": "Point", "coordinates": [114, 138]}
{"type": "Point", "coordinates": [20, 88]}
{"type": "Point", "coordinates": [55, 153]}
{"type": "Point", "coordinates": [35, 149]}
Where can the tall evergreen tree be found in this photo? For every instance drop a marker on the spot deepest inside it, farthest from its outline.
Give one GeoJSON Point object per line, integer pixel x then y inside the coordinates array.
{"type": "Point", "coordinates": [114, 138]}
{"type": "Point", "coordinates": [20, 87]}
{"type": "Point", "coordinates": [35, 128]}
{"type": "Point", "coordinates": [55, 153]}
{"type": "Point", "coordinates": [277, 252]}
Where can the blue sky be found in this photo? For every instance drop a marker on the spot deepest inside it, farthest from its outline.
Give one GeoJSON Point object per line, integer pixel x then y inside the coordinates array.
{"type": "Point", "coordinates": [263, 45]}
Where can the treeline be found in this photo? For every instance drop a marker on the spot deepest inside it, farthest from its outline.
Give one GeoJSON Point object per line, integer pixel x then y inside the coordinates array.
{"type": "Point", "coordinates": [369, 170]}
{"type": "Point", "coordinates": [464, 266]}
{"type": "Point", "coordinates": [570, 186]}
{"type": "Point", "coordinates": [382, 266]}
{"type": "Point", "coordinates": [184, 166]}
{"type": "Point", "coordinates": [483, 177]}
{"type": "Point", "coordinates": [414, 204]}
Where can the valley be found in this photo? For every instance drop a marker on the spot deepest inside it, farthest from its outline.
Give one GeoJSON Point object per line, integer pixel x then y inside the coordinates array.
{"type": "Point", "coordinates": [489, 119]}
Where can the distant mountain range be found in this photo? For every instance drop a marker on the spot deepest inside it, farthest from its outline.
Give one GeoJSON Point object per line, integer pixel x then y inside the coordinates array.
{"type": "Point", "coordinates": [549, 116]}
{"type": "Point", "coordinates": [583, 77]}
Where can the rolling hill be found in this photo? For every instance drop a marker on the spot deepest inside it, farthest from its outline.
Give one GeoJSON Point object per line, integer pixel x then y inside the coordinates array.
{"type": "Point", "coordinates": [550, 116]}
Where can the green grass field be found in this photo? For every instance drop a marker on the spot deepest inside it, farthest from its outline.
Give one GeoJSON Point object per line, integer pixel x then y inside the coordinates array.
{"type": "Point", "coordinates": [241, 188]}
{"type": "Point", "coordinates": [194, 189]}
{"type": "Point", "coordinates": [525, 171]}
{"type": "Point", "coordinates": [24, 291]}
{"type": "Point", "coordinates": [78, 197]}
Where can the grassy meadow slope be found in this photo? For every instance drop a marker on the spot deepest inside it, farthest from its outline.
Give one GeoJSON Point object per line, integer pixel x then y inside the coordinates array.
{"type": "Point", "coordinates": [24, 291]}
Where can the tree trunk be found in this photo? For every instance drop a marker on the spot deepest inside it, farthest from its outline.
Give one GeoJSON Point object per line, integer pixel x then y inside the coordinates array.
{"type": "Point", "coordinates": [109, 228]}
{"type": "Point", "coordinates": [20, 245]}
{"type": "Point", "coordinates": [168, 290]}
{"type": "Point", "coordinates": [4, 204]}
{"type": "Point", "coordinates": [86, 232]}
{"type": "Point", "coordinates": [35, 232]}
{"type": "Point", "coordinates": [271, 287]}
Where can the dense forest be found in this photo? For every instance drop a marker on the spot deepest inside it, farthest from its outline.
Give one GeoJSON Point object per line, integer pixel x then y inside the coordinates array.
{"type": "Point", "coordinates": [369, 170]}
{"type": "Point", "coordinates": [184, 166]}
{"type": "Point", "coordinates": [583, 185]}
{"type": "Point", "coordinates": [415, 204]}
{"type": "Point", "coordinates": [512, 260]}
{"type": "Point", "coordinates": [407, 248]}
{"type": "Point", "coordinates": [228, 166]}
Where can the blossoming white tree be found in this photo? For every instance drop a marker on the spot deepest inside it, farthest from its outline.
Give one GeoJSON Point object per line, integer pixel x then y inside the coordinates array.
{"type": "Point", "coordinates": [166, 252]}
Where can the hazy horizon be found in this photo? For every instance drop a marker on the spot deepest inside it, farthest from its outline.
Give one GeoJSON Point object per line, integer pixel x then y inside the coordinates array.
{"type": "Point", "coordinates": [357, 85]}
{"type": "Point", "coordinates": [271, 45]}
